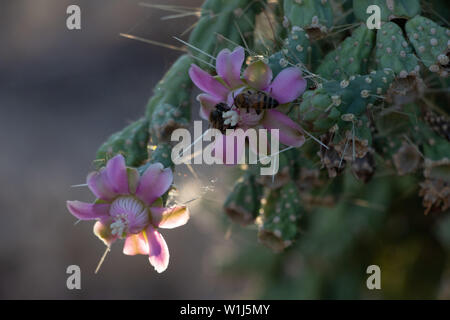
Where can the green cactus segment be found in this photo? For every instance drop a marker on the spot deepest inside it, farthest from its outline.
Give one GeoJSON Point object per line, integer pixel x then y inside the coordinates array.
{"type": "Point", "coordinates": [317, 111]}
{"type": "Point", "coordinates": [361, 91]}
{"type": "Point", "coordinates": [309, 14]}
{"type": "Point", "coordinates": [221, 25]}
{"type": "Point", "coordinates": [390, 9]}
{"type": "Point", "coordinates": [322, 108]}
{"type": "Point", "coordinates": [394, 52]}
{"type": "Point", "coordinates": [165, 119]}
{"type": "Point", "coordinates": [131, 142]}
{"type": "Point", "coordinates": [356, 133]}
{"type": "Point", "coordinates": [279, 218]}
{"type": "Point", "coordinates": [287, 169]}
{"type": "Point", "coordinates": [168, 109]}
{"type": "Point", "coordinates": [296, 51]}
{"type": "Point", "coordinates": [243, 203]}
{"type": "Point", "coordinates": [350, 57]}
{"type": "Point", "coordinates": [443, 232]}
{"type": "Point", "coordinates": [162, 154]}
{"type": "Point", "coordinates": [431, 42]}
{"type": "Point", "coordinates": [435, 189]}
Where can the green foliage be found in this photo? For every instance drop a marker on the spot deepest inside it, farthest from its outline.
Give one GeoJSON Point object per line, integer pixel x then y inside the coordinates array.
{"type": "Point", "coordinates": [390, 9]}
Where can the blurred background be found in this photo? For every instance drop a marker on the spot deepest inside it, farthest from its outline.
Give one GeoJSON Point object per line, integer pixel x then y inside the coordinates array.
{"type": "Point", "coordinates": [62, 93]}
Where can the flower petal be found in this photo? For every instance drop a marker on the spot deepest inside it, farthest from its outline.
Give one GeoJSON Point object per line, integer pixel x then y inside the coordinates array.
{"type": "Point", "coordinates": [206, 82]}
{"type": "Point", "coordinates": [88, 211]}
{"type": "Point", "coordinates": [221, 150]}
{"type": "Point", "coordinates": [228, 66]}
{"type": "Point", "coordinates": [159, 252]}
{"type": "Point", "coordinates": [135, 244]}
{"type": "Point", "coordinates": [154, 183]}
{"type": "Point", "coordinates": [291, 133]}
{"type": "Point", "coordinates": [207, 104]}
{"type": "Point", "coordinates": [117, 174]}
{"type": "Point", "coordinates": [287, 86]}
{"type": "Point", "coordinates": [169, 218]}
{"type": "Point", "coordinates": [100, 185]}
{"type": "Point", "coordinates": [258, 75]}
{"type": "Point", "coordinates": [103, 232]}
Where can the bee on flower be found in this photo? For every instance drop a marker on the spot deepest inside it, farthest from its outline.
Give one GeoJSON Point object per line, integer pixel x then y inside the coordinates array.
{"type": "Point", "coordinates": [248, 99]}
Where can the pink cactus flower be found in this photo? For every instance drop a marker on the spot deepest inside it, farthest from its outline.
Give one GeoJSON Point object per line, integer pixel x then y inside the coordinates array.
{"type": "Point", "coordinates": [223, 88]}
{"type": "Point", "coordinates": [129, 206]}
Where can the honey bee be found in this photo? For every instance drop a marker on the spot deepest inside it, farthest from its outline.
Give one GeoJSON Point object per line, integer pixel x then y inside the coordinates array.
{"type": "Point", "coordinates": [257, 100]}
{"type": "Point", "coordinates": [216, 119]}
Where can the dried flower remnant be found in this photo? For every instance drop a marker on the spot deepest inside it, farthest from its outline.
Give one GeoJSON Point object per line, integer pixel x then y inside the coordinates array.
{"type": "Point", "coordinates": [406, 159]}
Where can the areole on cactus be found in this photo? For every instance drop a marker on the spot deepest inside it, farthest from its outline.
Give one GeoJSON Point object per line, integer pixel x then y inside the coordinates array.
{"type": "Point", "coordinates": [357, 109]}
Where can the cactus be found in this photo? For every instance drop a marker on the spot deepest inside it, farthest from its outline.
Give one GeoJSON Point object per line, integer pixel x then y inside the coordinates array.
{"type": "Point", "coordinates": [314, 16]}
{"type": "Point", "coordinates": [431, 42]}
{"type": "Point", "coordinates": [350, 57]}
{"type": "Point", "coordinates": [376, 115]}
{"type": "Point", "coordinates": [280, 216]}
{"type": "Point", "coordinates": [169, 108]}
{"type": "Point", "coordinates": [243, 203]}
{"type": "Point", "coordinates": [131, 142]}
{"type": "Point", "coordinates": [296, 51]}
{"type": "Point", "coordinates": [323, 108]}
{"type": "Point", "coordinates": [390, 41]}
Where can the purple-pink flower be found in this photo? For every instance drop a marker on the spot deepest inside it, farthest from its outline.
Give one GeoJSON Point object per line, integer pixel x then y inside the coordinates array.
{"type": "Point", "coordinates": [129, 206]}
{"type": "Point", "coordinates": [287, 86]}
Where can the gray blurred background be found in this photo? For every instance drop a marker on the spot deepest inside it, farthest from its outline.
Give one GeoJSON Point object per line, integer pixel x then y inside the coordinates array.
{"type": "Point", "coordinates": [62, 93]}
